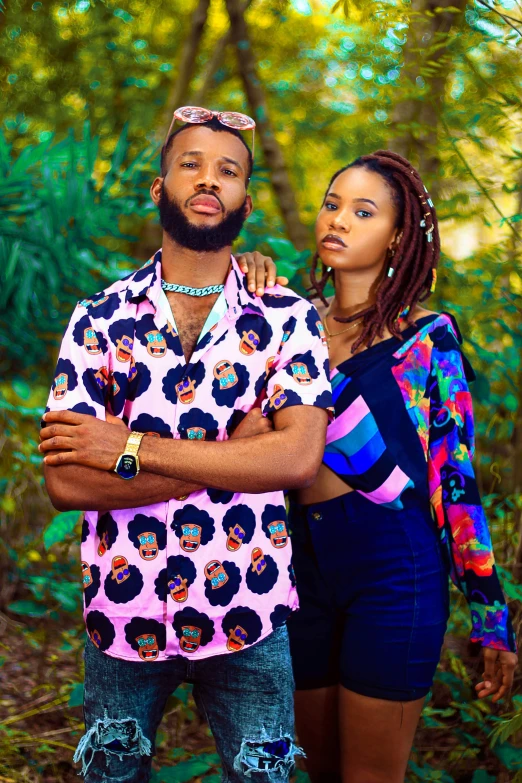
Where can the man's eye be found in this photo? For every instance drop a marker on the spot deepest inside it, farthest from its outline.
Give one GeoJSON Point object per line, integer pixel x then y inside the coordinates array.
{"type": "Point", "coordinates": [190, 164]}
{"type": "Point", "coordinates": [229, 172]}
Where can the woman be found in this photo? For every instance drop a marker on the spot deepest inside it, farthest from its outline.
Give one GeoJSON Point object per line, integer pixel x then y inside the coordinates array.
{"type": "Point", "coordinates": [371, 564]}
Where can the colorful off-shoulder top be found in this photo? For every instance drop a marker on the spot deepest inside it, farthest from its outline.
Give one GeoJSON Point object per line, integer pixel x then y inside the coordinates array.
{"type": "Point", "coordinates": [404, 423]}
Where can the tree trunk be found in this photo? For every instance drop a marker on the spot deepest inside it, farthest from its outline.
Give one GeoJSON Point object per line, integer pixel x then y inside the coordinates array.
{"type": "Point", "coordinates": [180, 88]}
{"type": "Point", "coordinates": [215, 62]}
{"type": "Point", "coordinates": [297, 232]}
{"type": "Point", "coordinates": [416, 117]}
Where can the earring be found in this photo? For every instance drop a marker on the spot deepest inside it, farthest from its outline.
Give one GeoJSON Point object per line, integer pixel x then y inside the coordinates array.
{"type": "Point", "coordinates": [391, 271]}
{"type": "Point", "coordinates": [328, 268]}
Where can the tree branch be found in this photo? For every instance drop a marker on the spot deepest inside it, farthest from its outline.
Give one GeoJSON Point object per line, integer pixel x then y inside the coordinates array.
{"type": "Point", "coordinates": [215, 62]}
{"type": "Point", "coordinates": [180, 88]}
{"type": "Point", "coordinates": [477, 181]}
{"type": "Point", "coordinates": [297, 232]}
{"type": "Point", "coordinates": [507, 19]}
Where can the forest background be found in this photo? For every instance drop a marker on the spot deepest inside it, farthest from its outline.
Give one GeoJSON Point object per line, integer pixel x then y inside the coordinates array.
{"type": "Point", "coordinates": [88, 89]}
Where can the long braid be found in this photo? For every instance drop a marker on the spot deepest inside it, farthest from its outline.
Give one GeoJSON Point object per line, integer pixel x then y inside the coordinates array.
{"type": "Point", "coordinates": [416, 255]}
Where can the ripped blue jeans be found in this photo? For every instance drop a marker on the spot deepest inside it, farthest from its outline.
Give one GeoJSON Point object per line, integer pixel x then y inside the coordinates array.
{"type": "Point", "coordinates": [246, 697]}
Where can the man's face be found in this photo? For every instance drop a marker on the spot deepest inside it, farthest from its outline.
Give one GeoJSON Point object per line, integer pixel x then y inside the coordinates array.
{"type": "Point", "coordinates": [202, 199]}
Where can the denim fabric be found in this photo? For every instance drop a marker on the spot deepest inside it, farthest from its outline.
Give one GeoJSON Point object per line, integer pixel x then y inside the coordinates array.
{"type": "Point", "coordinates": [373, 593]}
{"type": "Point", "coordinates": [247, 698]}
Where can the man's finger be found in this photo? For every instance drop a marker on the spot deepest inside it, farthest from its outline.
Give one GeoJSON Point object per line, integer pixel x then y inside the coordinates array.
{"type": "Point", "coordinates": [65, 417]}
{"type": "Point", "coordinates": [251, 275]}
{"type": "Point", "coordinates": [61, 458]}
{"type": "Point", "coordinates": [52, 430]}
{"type": "Point", "coordinates": [57, 443]}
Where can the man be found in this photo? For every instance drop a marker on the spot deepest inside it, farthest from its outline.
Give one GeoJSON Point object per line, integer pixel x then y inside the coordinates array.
{"type": "Point", "coordinates": [186, 567]}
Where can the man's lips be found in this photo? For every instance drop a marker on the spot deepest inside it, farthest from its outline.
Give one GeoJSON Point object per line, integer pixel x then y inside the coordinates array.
{"type": "Point", "coordinates": [206, 205]}
{"type": "Point", "coordinates": [333, 242]}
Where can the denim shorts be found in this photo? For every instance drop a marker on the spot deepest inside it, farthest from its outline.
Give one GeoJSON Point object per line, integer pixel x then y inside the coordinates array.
{"type": "Point", "coordinates": [374, 597]}
{"type": "Point", "coordinates": [246, 697]}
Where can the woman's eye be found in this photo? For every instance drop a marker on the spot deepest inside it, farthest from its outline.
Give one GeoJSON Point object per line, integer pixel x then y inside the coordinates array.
{"type": "Point", "coordinates": [329, 205]}
{"type": "Point", "coordinates": [363, 213]}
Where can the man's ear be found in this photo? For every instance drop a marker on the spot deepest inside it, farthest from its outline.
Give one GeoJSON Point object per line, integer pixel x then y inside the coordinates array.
{"type": "Point", "coordinates": [155, 190]}
{"type": "Point", "coordinates": [249, 207]}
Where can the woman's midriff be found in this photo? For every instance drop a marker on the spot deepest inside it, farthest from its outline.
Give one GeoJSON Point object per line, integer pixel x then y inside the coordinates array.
{"type": "Point", "coordinates": [326, 486]}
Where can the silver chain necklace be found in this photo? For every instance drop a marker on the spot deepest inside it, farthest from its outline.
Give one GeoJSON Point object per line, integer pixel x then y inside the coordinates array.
{"type": "Point", "coordinates": [185, 289]}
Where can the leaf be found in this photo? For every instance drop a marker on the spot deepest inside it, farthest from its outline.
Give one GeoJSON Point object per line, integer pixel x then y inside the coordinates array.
{"type": "Point", "coordinates": [509, 755]}
{"type": "Point", "coordinates": [76, 697]}
{"type": "Point", "coordinates": [29, 608]}
{"type": "Point", "coordinates": [481, 776]}
{"type": "Point", "coordinates": [283, 248]}
{"type": "Point", "coordinates": [59, 528]}
{"type": "Point", "coordinates": [185, 771]}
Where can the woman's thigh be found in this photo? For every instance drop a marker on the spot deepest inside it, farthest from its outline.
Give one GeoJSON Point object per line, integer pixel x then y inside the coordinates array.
{"type": "Point", "coordinates": [376, 737]}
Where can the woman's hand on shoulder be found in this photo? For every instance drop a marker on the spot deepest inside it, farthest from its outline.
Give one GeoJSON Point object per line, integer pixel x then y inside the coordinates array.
{"type": "Point", "coordinates": [260, 271]}
{"type": "Point", "coordinates": [499, 669]}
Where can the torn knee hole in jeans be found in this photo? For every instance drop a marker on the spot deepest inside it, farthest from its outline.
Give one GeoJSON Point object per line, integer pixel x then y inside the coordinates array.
{"type": "Point", "coordinates": [120, 737]}
{"type": "Point", "coordinates": [266, 754]}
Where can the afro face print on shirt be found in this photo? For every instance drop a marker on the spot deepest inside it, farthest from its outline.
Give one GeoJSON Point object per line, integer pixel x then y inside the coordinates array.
{"type": "Point", "coordinates": [193, 629]}
{"type": "Point", "coordinates": [100, 630]}
{"type": "Point", "coordinates": [197, 553]}
{"type": "Point", "coordinates": [180, 383]}
{"type": "Point", "coordinates": [175, 579]}
{"type": "Point", "coordinates": [242, 626]}
{"type": "Point", "coordinates": [148, 535]}
{"type": "Point", "coordinates": [65, 379]}
{"type": "Point", "coordinates": [254, 332]}
{"type": "Point", "coordinates": [193, 527]}
{"type": "Point", "coordinates": [239, 524]}
{"type": "Point", "coordinates": [273, 521]}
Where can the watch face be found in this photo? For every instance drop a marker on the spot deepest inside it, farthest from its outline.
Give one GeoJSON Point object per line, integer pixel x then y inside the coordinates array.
{"type": "Point", "coordinates": [127, 466]}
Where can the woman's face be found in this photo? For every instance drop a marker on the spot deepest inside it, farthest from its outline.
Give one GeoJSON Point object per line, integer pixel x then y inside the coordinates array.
{"type": "Point", "coordinates": [357, 223]}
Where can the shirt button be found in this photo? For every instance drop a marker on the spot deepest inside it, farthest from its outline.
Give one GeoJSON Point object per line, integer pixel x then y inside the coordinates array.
{"type": "Point", "coordinates": [317, 516]}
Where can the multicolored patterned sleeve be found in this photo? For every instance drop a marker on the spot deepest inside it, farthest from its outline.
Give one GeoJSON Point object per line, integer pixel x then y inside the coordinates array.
{"type": "Point", "coordinates": [82, 377]}
{"type": "Point", "coordinates": [455, 495]}
{"type": "Point", "coordinates": [299, 373]}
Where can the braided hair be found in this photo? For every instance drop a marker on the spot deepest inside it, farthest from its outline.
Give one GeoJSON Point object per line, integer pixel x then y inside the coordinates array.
{"type": "Point", "coordinates": [416, 255]}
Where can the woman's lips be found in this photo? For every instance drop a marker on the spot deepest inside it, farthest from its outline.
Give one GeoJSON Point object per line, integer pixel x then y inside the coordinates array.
{"type": "Point", "coordinates": [332, 242]}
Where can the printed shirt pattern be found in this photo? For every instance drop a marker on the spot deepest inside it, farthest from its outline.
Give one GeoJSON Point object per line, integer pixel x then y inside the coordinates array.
{"type": "Point", "coordinates": [382, 449]}
{"type": "Point", "coordinates": [211, 573]}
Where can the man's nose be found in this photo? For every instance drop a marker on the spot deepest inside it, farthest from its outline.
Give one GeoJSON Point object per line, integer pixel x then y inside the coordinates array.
{"type": "Point", "coordinates": [208, 180]}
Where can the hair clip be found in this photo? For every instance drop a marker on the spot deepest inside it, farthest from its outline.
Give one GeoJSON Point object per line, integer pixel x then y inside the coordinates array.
{"type": "Point", "coordinates": [430, 202]}
{"type": "Point", "coordinates": [433, 280]}
{"type": "Point", "coordinates": [422, 223]}
{"type": "Point", "coordinates": [391, 270]}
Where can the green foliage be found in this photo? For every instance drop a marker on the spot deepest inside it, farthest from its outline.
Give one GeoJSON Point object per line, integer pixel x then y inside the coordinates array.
{"type": "Point", "coordinates": [86, 87]}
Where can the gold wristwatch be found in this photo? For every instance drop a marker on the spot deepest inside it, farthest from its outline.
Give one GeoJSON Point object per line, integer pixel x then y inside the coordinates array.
{"type": "Point", "coordinates": [128, 464]}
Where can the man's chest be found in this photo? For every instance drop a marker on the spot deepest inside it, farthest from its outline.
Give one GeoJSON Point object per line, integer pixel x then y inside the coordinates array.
{"type": "Point", "coordinates": [156, 390]}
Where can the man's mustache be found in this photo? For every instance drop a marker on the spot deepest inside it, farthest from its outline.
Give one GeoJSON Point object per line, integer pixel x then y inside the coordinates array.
{"type": "Point", "coordinates": [206, 193]}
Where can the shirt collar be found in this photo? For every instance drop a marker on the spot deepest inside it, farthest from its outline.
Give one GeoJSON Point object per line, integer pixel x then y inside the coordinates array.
{"type": "Point", "coordinates": [145, 283]}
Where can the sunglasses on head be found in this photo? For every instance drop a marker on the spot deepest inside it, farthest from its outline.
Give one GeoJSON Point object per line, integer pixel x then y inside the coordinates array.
{"type": "Point", "coordinates": [197, 115]}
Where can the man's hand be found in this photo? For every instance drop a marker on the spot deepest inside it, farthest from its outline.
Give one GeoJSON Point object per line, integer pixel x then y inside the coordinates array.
{"type": "Point", "coordinates": [78, 439]}
{"type": "Point", "coordinates": [254, 423]}
{"type": "Point", "coordinates": [499, 668]}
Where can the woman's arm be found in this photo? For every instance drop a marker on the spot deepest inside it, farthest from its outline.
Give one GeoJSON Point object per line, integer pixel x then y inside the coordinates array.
{"type": "Point", "coordinates": [460, 515]}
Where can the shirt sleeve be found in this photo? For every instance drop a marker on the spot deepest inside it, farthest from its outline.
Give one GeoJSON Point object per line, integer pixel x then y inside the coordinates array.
{"type": "Point", "coordinates": [455, 496]}
{"type": "Point", "coordinates": [82, 377]}
{"type": "Point", "coordinates": [300, 373]}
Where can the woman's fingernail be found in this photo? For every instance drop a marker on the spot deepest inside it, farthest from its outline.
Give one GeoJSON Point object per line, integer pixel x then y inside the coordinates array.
{"type": "Point", "coordinates": [487, 684]}
{"type": "Point", "coordinates": [251, 286]}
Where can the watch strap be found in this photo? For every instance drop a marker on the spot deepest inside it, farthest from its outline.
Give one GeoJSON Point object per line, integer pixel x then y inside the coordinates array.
{"type": "Point", "coordinates": [133, 443]}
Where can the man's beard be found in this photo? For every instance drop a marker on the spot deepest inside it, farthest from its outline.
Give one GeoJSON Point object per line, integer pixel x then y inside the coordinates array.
{"type": "Point", "coordinates": [200, 238]}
